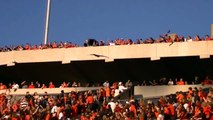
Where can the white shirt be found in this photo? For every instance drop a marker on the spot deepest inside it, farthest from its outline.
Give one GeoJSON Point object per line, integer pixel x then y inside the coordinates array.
{"type": "Point", "coordinates": [54, 109]}
{"type": "Point", "coordinates": [186, 106]}
{"type": "Point", "coordinates": [16, 86]}
{"type": "Point", "coordinates": [170, 83]}
{"type": "Point", "coordinates": [111, 44]}
{"type": "Point", "coordinates": [117, 91]}
{"type": "Point", "coordinates": [112, 105]}
{"type": "Point", "coordinates": [60, 116]}
{"type": "Point", "coordinates": [106, 84]}
{"type": "Point", "coordinates": [122, 88]}
{"type": "Point", "coordinates": [160, 117]}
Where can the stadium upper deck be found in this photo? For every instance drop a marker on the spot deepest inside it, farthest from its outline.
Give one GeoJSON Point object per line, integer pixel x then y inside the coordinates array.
{"type": "Point", "coordinates": [109, 53]}
{"type": "Point", "coordinates": [177, 58]}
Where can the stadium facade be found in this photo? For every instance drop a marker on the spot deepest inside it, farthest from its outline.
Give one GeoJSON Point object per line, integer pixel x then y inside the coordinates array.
{"type": "Point", "coordinates": [114, 63]}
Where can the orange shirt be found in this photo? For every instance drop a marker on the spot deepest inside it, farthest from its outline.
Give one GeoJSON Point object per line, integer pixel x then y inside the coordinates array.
{"type": "Point", "coordinates": [171, 109]}
{"type": "Point", "coordinates": [197, 111]}
{"type": "Point", "coordinates": [107, 91]}
{"type": "Point", "coordinates": [180, 83]}
{"type": "Point", "coordinates": [161, 102]}
{"type": "Point", "coordinates": [133, 109]}
{"type": "Point", "coordinates": [27, 117]}
{"type": "Point", "coordinates": [2, 87]}
{"type": "Point", "coordinates": [189, 94]}
{"type": "Point", "coordinates": [200, 94]}
{"type": "Point", "coordinates": [47, 117]}
{"type": "Point", "coordinates": [74, 110]}
{"type": "Point", "coordinates": [51, 86]}
{"type": "Point", "coordinates": [14, 118]}
{"type": "Point", "coordinates": [166, 110]}
{"type": "Point", "coordinates": [207, 111]}
{"type": "Point", "coordinates": [90, 100]}
{"type": "Point", "coordinates": [115, 85]}
{"type": "Point", "coordinates": [156, 114]}
{"type": "Point", "coordinates": [14, 107]}
{"type": "Point", "coordinates": [180, 97]}
{"type": "Point", "coordinates": [31, 86]}
{"type": "Point", "coordinates": [169, 39]}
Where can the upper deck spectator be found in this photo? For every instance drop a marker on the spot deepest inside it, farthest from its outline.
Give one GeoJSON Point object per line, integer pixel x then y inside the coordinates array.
{"type": "Point", "coordinates": [171, 82]}
{"type": "Point", "coordinates": [2, 86]}
{"type": "Point", "coordinates": [43, 86]}
{"type": "Point", "coordinates": [181, 82]}
{"type": "Point", "coordinates": [31, 85]}
{"type": "Point", "coordinates": [51, 85]}
{"type": "Point", "coordinates": [166, 38]}
{"type": "Point", "coordinates": [207, 37]}
{"type": "Point", "coordinates": [197, 38]}
{"type": "Point", "coordinates": [121, 87]}
{"type": "Point", "coordinates": [74, 84]}
{"type": "Point", "coordinates": [106, 84]}
{"type": "Point", "coordinates": [15, 86]}
{"type": "Point", "coordinates": [207, 81]}
{"type": "Point", "coordinates": [128, 84]}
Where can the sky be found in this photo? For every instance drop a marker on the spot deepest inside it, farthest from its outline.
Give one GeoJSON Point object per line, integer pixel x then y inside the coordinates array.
{"type": "Point", "coordinates": [23, 21]}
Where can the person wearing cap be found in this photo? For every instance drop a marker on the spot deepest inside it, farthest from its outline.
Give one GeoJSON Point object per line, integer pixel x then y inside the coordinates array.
{"type": "Point", "coordinates": [121, 87]}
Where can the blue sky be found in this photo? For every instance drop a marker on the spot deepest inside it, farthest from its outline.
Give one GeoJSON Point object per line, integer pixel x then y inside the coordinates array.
{"type": "Point", "coordinates": [22, 21]}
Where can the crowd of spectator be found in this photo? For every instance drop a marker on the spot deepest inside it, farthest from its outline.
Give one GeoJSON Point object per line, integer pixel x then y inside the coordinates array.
{"type": "Point", "coordinates": [119, 41]}
{"type": "Point", "coordinates": [28, 46]}
{"type": "Point", "coordinates": [100, 104]}
{"type": "Point", "coordinates": [116, 87]}
{"type": "Point", "coordinates": [176, 81]}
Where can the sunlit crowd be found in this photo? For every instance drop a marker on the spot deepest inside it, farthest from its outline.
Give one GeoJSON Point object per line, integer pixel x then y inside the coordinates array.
{"type": "Point", "coordinates": [165, 38]}
{"type": "Point", "coordinates": [100, 104]}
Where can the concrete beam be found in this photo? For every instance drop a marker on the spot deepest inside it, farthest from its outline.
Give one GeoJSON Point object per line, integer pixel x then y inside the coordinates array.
{"type": "Point", "coordinates": [11, 64]}
{"type": "Point", "coordinates": [154, 58]}
{"type": "Point", "coordinates": [109, 60]}
{"type": "Point", "coordinates": [204, 56]}
{"type": "Point", "coordinates": [66, 62]}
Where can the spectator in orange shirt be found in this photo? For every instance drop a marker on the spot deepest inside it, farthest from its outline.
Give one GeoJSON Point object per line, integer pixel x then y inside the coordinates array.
{"type": "Point", "coordinates": [207, 37]}
{"type": "Point", "coordinates": [169, 39]}
{"type": "Point", "coordinates": [43, 86]}
{"type": "Point", "coordinates": [90, 100]}
{"type": "Point", "coordinates": [200, 93]}
{"type": "Point", "coordinates": [180, 96]}
{"type": "Point", "coordinates": [207, 81]}
{"type": "Point", "coordinates": [27, 46]}
{"type": "Point", "coordinates": [64, 85]}
{"type": "Point", "coordinates": [2, 86]}
{"type": "Point", "coordinates": [197, 113]}
{"type": "Point", "coordinates": [133, 109]}
{"type": "Point", "coordinates": [207, 111]}
{"type": "Point", "coordinates": [51, 85]}
{"type": "Point", "coordinates": [181, 82]}
{"type": "Point", "coordinates": [31, 85]}
{"type": "Point", "coordinates": [190, 93]}
{"type": "Point", "coordinates": [54, 45]}
{"type": "Point", "coordinates": [171, 110]}
{"type": "Point", "coordinates": [107, 89]}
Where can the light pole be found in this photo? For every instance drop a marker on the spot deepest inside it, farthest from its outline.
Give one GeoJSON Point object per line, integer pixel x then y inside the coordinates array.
{"type": "Point", "coordinates": [47, 21]}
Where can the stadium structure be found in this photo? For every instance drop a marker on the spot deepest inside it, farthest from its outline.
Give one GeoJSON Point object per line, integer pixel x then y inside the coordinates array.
{"type": "Point", "coordinates": [95, 65]}
{"type": "Point", "coordinates": [113, 63]}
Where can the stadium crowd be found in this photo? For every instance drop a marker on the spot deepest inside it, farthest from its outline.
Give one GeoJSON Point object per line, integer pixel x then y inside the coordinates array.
{"type": "Point", "coordinates": [161, 81]}
{"type": "Point", "coordinates": [119, 41]}
{"type": "Point", "coordinates": [195, 104]}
